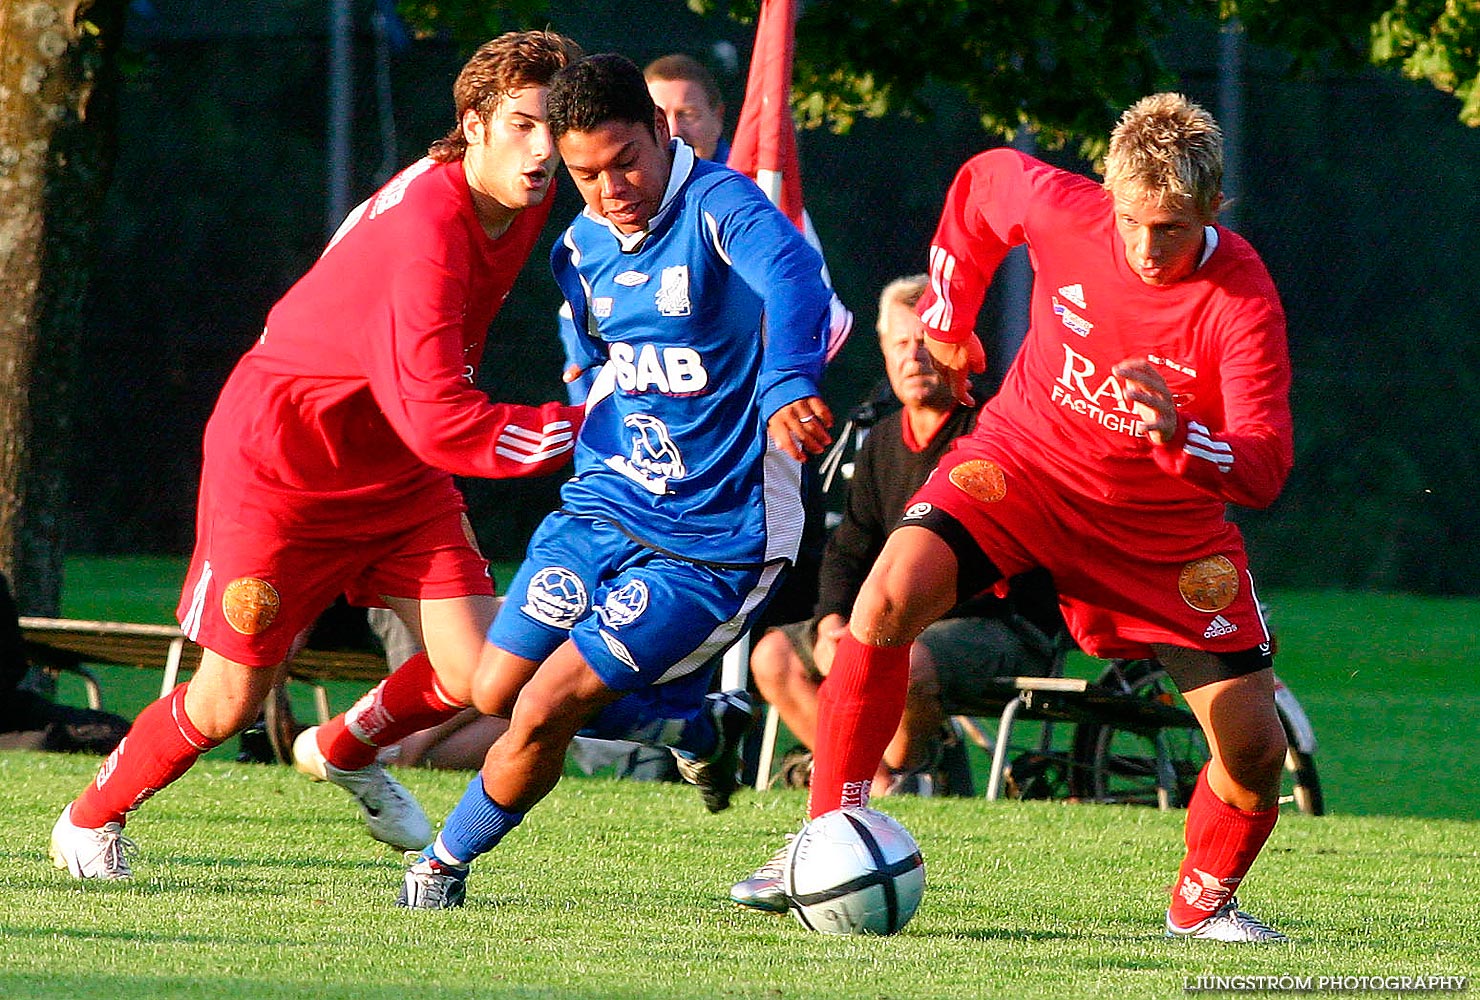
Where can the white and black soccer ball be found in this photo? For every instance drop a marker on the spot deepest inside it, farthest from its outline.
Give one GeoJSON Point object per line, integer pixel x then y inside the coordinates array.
{"type": "Point", "coordinates": [854, 871]}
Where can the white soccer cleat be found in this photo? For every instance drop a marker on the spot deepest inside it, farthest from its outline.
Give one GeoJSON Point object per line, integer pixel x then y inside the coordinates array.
{"type": "Point", "coordinates": [391, 812]}
{"type": "Point", "coordinates": [762, 891]}
{"type": "Point", "coordinates": [88, 853]}
{"type": "Point", "coordinates": [431, 884]}
{"type": "Point", "coordinates": [1228, 924]}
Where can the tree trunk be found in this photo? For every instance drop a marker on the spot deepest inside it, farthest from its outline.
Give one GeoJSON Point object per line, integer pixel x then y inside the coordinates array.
{"type": "Point", "coordinates": [57, 91]}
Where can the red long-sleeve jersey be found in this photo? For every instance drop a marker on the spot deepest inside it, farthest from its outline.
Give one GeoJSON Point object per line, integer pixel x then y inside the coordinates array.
{"type": "Point", "coordinates": [1217, 337]}
{"type": "Point", "coordinates": [359, 396]}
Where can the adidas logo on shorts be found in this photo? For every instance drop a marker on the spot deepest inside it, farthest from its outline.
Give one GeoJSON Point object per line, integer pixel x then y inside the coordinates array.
{"type": "Point", "coordinates": [1219, 626]}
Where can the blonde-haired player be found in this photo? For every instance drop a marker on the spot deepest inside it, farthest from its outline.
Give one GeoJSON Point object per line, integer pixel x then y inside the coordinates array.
{"type": "Point", "coordinates": [1151, 391]}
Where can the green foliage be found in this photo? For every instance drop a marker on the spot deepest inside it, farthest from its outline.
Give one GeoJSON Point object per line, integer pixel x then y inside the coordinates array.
{"type": "Point", "coordinates": [1066, 68]}
{"type": "Point", "coordinates": [1308, 32]}
{"type": "Point", "coordinates": [1063, 69]}
{"type": "Point", "coordinates": [1434, 40]}
{"type": "Point", "coordinates": [471, 24]}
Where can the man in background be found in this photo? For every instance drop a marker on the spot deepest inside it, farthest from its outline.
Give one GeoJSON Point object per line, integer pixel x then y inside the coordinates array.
{"type": "Point", "coordinates": [690, 99]}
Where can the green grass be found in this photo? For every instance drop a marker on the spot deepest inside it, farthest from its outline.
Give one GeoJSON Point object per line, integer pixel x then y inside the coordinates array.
{"type": "Point", "coordinates": [1390, 683]}
{"type": "Point", "coordinates": [253, 882]}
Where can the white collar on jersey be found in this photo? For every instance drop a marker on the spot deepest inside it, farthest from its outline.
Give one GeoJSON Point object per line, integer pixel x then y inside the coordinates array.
{"type": "Point", "coordinates": [683, 165]}
{"type": "Point", "coordinates": [1210, 243]}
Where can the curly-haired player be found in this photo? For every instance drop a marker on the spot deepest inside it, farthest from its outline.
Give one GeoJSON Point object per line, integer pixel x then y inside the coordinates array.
{"type": "Point", "coordinates": [329, 461]}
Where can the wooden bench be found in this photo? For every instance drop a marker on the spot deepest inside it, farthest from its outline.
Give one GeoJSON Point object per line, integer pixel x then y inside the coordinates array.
{"type": "Point", "coordinates": [70, 644]}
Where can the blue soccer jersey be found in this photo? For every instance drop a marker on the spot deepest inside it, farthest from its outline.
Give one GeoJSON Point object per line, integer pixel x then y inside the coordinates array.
{"type": "Point", "coordinates": [705, 325]}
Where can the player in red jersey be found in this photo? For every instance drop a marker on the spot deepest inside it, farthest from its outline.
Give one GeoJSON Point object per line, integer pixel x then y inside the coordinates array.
{"type": "Point", "coordinates": [1151, 391]}
{"type": "Point", "coordinates": [329, 461]}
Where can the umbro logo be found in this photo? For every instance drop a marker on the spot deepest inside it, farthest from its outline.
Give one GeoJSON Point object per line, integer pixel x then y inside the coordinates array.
{"type": "Point", "coordinates": [1075, 294]}
{"type": "Point", "coordinates": [1219, 626]}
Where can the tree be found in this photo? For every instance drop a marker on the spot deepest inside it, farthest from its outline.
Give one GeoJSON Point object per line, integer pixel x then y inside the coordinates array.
{"type": "Point", "coordinates": [1438, 41]}
{"type": "Point", "coordinates": [1066, 68]}
{"type": "Point", "coordinates": [55, 137]}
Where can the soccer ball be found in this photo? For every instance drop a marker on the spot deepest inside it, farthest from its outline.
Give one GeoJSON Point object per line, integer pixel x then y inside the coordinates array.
{"type": "Point", "coordinates": [854, 871]}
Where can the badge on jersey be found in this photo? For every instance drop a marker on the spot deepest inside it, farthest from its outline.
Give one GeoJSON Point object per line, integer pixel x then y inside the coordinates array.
{"type": "Point", "coordinates": [555, 596]}
{"type": "Point", "coordinates": [673, 291]}
{"type": "Point", "coordinates": [654, 459]}
{"type": "Point", "coordinates": [624, 605]}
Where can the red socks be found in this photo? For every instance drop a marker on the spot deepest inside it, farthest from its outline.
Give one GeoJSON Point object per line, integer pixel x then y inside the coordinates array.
{"type": "Point", "coordinates": [1222, 843]}
{"type": "Point", "coordinates": [858, 710]}
{"type": "Point", "coordinates": [406, 702]}
{"type": "Point", "coordinates": [161, 745]}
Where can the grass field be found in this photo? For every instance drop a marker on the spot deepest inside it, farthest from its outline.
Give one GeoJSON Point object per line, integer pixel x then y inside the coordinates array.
{"type": "Point", "coordinates": [252, 882]}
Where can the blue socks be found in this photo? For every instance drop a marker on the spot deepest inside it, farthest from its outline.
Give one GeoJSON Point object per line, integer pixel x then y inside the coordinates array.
{"type": "Point", "coordinates": [475, 827]}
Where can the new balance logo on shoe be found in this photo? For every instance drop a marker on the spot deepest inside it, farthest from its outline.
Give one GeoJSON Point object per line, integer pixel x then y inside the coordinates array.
{"type": "Point", "coordinates": [1219, 626]}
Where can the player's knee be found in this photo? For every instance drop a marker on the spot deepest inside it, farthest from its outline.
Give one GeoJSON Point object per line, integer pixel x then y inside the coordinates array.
{"type": "Point", "coordinates": [484, 697]}
{"type": "Point", "coordinates": [489, 696]}
{"type": "Point", "coordinates": [225, 720]}
{"type": "Point", "coordinates": [899, 599]}
{"type": "Point", "coordinates": [1255, 758]}
{"type": "Point", "coordinates": [496, 682]}
{"type": "Point", "coordinates": [883, 617]}
{"type": "Point", "coordinates": [536, 722]}
{"type": "Point", "coordinates": [772, 661]}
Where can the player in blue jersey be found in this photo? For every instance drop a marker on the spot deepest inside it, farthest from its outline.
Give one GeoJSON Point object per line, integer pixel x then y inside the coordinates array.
{"type": "Point", "coordinates": [708, 313]}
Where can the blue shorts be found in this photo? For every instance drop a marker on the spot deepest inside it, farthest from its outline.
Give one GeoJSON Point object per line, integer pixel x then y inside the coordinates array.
{"type": "Point", "coordinates": [639, 617]}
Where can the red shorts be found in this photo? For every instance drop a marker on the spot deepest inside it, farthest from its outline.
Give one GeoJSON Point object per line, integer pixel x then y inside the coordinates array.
{"type": "Point", "coordinates": [250, 591]}
{"type": "Point", "coordinates": [1127, 576]}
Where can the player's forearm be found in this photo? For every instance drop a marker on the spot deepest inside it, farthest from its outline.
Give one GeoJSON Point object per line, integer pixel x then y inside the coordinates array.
{"type": "Point", "coordinates": [491, 440]}
{"type": "Point", "coordinates": [1248, 469]}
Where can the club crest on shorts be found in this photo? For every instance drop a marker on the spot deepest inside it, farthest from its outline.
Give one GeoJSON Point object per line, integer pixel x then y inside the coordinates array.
{"type": "Point", "coordinates": [250, 605]}
{"type": "Point", "coordinates": [555, 596]}
{"type": "Point", "coordinates": [980, 479]}
{"type": "Point", "coordinates": [1209, 584]}
{"type": "Point", "coordinates": [624, 605]}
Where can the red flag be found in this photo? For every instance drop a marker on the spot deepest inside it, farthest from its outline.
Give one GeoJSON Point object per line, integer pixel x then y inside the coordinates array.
{"type": "Point", "coordinates": [765, 146]}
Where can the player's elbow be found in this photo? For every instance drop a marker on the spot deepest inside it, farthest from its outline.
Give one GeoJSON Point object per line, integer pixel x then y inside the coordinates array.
{"type": "Point", "coordinates": [1266, 490]}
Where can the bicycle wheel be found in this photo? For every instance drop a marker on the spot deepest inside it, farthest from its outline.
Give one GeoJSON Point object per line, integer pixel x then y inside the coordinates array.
{"type": "Point", "coordinates": [1301, 786]}
{"type": "Point", "coordinates": [1116, 765]}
